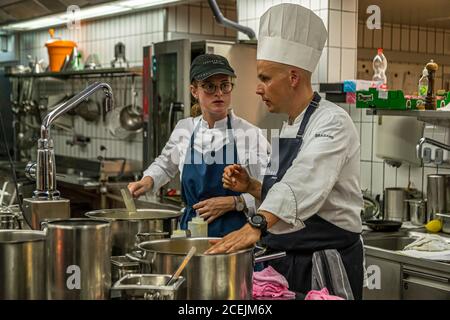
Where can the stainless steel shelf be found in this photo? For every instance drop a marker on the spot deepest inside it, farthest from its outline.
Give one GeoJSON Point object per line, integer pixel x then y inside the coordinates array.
{"type": "Point", "coordinates": [441, 118]}
{"type": "Point", "coordinates": [137, 71]}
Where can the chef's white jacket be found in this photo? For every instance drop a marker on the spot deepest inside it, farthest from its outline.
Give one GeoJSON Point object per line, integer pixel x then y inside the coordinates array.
{"type": "Point", "coordinates": [324, 178]}
{"type": "Point", "coordinates": [252, 147]}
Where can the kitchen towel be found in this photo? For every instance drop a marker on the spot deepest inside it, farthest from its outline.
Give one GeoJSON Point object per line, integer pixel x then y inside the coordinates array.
{"type": "Point", "coordinates": [321, 295]}
{"type": "Point", "coordinates": [269, 283]}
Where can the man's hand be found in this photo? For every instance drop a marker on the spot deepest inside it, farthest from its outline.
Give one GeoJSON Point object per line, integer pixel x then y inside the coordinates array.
{"type": "Point", "coordinates": [140, 187]}
{"type": "Point", "coordinates": [213, 208]}
{"type": "Point", "coordinates": [236, 178]}
{"type": "Point", "coordinates": [243, 238]}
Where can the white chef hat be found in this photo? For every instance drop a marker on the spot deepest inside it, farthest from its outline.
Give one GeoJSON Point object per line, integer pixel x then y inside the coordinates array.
{"type": "Point", "coordinates": [291, 34]}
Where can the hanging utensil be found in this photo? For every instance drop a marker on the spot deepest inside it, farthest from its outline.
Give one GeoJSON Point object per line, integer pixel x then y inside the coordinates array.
{"type": "Point", "coordinates": [130, 117]}
{"type": "Point", "coordinates": [183, 264]}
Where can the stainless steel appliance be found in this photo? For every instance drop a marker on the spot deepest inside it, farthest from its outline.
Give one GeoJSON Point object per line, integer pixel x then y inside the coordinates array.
{"type": "Point", "coordinates": [438, 195]}
{"type": "Point", "coordinates": [22, 264]}
{"type": "Point", "coordinates": [78, 259]}
{"type": "Point", "coordinates": [418, 285]}
{"type": "Point", "coordinates": [128, 228]}
{"type": "Point", "coordinates": [209, 277]}
{"type": "Point", "coordinates": [395, 207]}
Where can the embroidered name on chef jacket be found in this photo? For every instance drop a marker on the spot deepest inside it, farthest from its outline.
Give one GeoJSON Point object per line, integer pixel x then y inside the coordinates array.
{"type": "Point", "coordinates": [324, 135]}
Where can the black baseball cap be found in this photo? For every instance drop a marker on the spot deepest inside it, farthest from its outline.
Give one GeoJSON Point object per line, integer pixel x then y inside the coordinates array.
{"type": "Point", "coordinates": [207, 65]}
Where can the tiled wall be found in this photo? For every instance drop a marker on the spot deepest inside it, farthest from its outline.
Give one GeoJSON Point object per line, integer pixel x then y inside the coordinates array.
{"type": "Point", "coordinates": [135, 31]}
{"type": "Point", "coordinates": [338, 60]}
{"type": "Point", "coordinates": [401, 43]}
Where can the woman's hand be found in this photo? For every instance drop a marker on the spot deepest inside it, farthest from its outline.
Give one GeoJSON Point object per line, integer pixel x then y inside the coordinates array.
{"type": "Point", "coordinates": [140, 187]}
{"type": "Point", "coordinates": [213, 208]}
{"type": "Point", "coordinates": [236, 178]}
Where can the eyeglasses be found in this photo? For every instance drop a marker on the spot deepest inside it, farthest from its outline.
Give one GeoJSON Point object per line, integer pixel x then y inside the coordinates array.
{"type": "Point", "coordinates": [211, 88]}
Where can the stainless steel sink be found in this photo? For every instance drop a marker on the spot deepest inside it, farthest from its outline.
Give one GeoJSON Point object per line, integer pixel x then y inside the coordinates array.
{"type": "Point", "coordinates": [389, 243]}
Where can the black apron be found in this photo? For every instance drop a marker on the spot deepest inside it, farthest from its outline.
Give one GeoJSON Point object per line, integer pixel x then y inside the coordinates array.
{"type": "Point", "coordinates": [318, 233]}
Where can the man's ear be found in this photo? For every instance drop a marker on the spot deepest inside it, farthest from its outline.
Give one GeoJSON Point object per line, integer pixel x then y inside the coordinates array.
{"type": "Point", "coordinates": [294, 77]}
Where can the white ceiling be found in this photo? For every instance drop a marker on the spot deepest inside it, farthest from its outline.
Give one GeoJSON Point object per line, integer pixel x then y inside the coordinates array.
{"type": "Point", "coordinates": [426, 13]}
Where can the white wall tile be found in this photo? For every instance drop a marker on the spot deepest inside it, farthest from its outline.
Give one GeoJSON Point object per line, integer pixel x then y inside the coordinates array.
{"type": "Point", "coordinates": [387, 36]}
{"type": "Point", "coordinates": [447, 43]}
{"type": "Point", "coordinates": [366, 175]}
{"type": "Point", "coordinates": [348, 64]}
{"type": "Point", "coordinates": [194, 19]}
{"type": "Point", "coordinates": [336, 4]}
{"type": "Point", "coordinates": [315, 5]}
{"type": "Point", "coordinates": [431, 43]}
{"type": "Point", "coordinates": [355, 113]}
{"type": "Point", "coordinates": [416, 177]}
{"type": "Point", "coordinates": [377, 39]}
{"type": "Point", "coordinates": [334, 64]}
{"type": "Point", "coordinates": [182, 21]}
{"type": "Point", "coordinates": [403, 176]}
{"type": "Point", "coordinates": [414, 39]}
{"type": "Point", "coordinates": [377, 178]}
{"type": "Point", "coordinates": [324, 4]}
{"type": "Point", "coordinates": [422, 41]}
{"type": "Point", "coordinates": [349, 5]}
{"type": "Point", "coordinates": [404, 41]}
{"type": "Point", "coordinates": [349, 29]}
{"type": "Point", "coordinates": [207, 23]}
{"type": "Point", "coordinates": [334, 29]}
{"type": "Point", "coordinates": [171, 19]}
{"type": "Point", "coordinates": [390, 176]}
{"type": "Point", "coordinates": [323, 67]}
{"type": "Point", "coordinates": [366, 141]}
{"type": "Point", "coordinates": [396, 34]}
{"type": "Point", "coordinates": [440, 42]}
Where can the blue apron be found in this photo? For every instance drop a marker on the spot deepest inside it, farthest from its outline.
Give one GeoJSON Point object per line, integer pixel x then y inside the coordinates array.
{"type": "Point", "coordinates": [202, 179]}
{"type": "Point", "coordinates": [318, 233]}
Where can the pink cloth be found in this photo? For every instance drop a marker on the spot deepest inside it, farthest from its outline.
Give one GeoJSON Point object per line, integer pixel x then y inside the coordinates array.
{"type": "Point", "coordinates": [321, 295]}
{"type": "Point", "coordinates": [270, 284]}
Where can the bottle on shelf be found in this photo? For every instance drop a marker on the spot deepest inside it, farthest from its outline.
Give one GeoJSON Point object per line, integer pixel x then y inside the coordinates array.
{"type": "Point", "coordinates": [423, 84]}
{"type": "Point", "coordinates": [379, 68]}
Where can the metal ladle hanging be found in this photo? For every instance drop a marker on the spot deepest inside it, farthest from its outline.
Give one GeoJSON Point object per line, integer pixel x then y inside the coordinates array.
{"type": "Point", "coordinates": [130, 117]}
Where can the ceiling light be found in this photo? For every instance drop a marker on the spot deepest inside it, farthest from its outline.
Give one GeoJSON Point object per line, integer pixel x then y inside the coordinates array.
{"type": "Point", "coordinates": [87, 13]}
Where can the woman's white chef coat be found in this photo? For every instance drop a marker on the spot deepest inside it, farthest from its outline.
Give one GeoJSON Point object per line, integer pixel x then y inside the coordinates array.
{"type": "Point", "coordinates": [324, 178]}
{"type": "Point", "coordinates": [252, 149]}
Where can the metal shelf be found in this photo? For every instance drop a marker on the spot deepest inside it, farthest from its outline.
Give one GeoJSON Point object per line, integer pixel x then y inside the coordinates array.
{"type": "Point", "coordinates": [441, 118]}
{"type": "Point", "coordinates": [82, 73]}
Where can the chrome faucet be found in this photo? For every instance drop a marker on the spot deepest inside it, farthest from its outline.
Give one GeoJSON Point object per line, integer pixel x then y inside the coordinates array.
{"type": "Point", "coordinates": [427, 155]}
{"type": "Point", "coordinates": [44, 170]}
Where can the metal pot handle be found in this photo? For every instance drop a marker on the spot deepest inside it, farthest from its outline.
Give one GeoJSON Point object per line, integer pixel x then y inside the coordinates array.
{"type": "Point", "coordinates": [272, 256]}
{"type": "Point", "coordinates": [136, 257]}
{"type": "Point", "coordinates": [150, 234]}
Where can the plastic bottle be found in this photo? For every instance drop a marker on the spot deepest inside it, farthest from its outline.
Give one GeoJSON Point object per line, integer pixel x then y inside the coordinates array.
{"type": "Point", "coordinates": [198, 227]}
{"type": "Point", "coordinates": [379, 68]}
{"type": "Point", "coordinates": [423, 84]}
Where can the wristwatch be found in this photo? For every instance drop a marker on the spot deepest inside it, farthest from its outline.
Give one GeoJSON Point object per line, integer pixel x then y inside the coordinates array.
{"type": "Point", "coordinates": [258, 221]}
{"type": "Point", "coordinates": [239, 203]}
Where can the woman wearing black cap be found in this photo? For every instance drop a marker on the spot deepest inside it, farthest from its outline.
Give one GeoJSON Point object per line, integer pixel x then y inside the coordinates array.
{"type": "Point", "coordinates": [200, 147]}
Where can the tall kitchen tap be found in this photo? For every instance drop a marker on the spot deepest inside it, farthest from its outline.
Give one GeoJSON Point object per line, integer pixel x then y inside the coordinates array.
{"type": "Point", "coordinates": [46, 202]}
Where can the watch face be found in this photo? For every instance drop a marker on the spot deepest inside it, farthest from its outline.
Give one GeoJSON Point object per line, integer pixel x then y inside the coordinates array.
{"type": "Point", "coordinates": [257, 219]}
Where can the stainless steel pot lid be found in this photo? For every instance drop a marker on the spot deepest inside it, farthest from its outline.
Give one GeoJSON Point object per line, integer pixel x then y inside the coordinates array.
{"type": "Point", "coordinates": [181, 246]}
{"type": "Point", "coordinates": [20, 236]}
{"type": "Point", "coordinates": [142, 214]}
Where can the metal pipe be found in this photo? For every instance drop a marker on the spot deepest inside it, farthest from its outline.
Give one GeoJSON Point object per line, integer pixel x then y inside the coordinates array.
{"type": "Point", "coordinates": [228, 23]}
